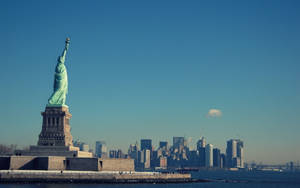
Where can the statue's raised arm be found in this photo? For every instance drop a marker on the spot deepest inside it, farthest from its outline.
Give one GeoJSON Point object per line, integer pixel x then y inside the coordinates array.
{"type": "Point", "coordinates": [63, 55]}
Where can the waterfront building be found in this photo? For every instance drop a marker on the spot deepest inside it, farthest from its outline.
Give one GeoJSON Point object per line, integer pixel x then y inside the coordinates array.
{"type": "Point", "coordinates": [141, 158]}
{"type": "Point", "coordinates": [101, 149]}
{"type": "Point", "coordinates": [240, 153]}
{"type": "Point", "coordinates": [230, 152]}
{"type": "Point", "coordinates": [209, 155]}
{"type": "Point", "coordinates": [235, 153]}
{"type": "Point", "coordinates": [236, 162]}
{"type": "Point", "coordinates": [147, 158]}
{"type": "Point", "coordinates": [223, 160]}
{"type": "Point", "coordinates": [202, 156]}
{"type": "Point", "coordinates": [193, 158]}
{"type": "Point", "coordinates": [216, 158]}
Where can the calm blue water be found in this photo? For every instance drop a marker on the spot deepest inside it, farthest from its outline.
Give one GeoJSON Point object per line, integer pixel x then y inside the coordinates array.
{"type": "Point", "coordinates": [224, 179]}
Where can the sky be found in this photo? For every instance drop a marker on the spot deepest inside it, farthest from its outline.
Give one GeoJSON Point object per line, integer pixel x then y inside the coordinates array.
{"type": "Point", "coordinates": [157, 69]}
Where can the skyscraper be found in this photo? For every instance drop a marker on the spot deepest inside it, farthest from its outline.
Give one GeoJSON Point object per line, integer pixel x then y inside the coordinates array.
{"type": "Point", "coordinates": [147, 159]}
{"type": "Point", "coordinates": [223, 160]}
{"type": "Point", "coordinates": [240, 153]}
{"type": "Point", "coordinates": [201, 143]}
{"type": "Point", "coordinates": [202, 156]}
{"type": "Point", "coordinates": [235, 153]}
{"type": "Point", "coordinates": [133, 153]}
{"type": "Point", "coordinates": [217, 157]}
{"type": "Point", "coordinates": [101, 149]}
{"type": "Point", "coordinates": [146, 144]}
{"type": "Point", "coordinates": [230, 152]}
{"type": "Point", "coordinates": [209, 155]}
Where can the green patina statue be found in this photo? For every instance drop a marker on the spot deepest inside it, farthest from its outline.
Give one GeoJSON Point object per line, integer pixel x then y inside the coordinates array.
{"type": "Point", "coordinates": [60, 90]}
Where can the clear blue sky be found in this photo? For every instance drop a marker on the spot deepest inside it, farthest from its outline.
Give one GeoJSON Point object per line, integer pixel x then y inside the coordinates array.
{"type": "Point", "coordinates": [153, 69]}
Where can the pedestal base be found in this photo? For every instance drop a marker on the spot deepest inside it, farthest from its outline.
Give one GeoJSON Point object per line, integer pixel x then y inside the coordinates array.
{"type": "Point", "coordinates": [66, 151]}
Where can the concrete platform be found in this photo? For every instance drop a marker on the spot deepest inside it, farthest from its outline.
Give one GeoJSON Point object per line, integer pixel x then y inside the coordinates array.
{"type": "Point", "coordinates": [65, 163]}
{"type": "Point", "coordinates": [41, 176]}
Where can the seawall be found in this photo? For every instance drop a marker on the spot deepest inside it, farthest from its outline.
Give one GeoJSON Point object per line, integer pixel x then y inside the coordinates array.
{"type": "Point", "coordinates": [41, 176]}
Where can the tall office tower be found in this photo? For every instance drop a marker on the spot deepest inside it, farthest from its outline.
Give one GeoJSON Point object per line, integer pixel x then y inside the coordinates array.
{"type": "Point", "coordinates": [209, 155]}
{"type": "Point", "coordinates": [235, 154]}
{"type": "Point", "coordinates": [240, 153]}
{"type": "Point", "coordinates": [141, 158]}
{"type": "Point", "coordinates": [202, 156]}
{"type": "Point", "coordinates": [217, 157]}
{"type": "Point", "coordinates": [101, 149]}
{"type": "Point", "coordinates": [147, 159]}
{"type": "Point", "coordinates": [193, 158]}
{"type": "Point", "coordinates": [133, 153]}
{"type": "Point", "coordinates": [163, 145]}
{"type": "Point", "coordinates": [230, 152]}
{"type": "Point", "coordinates": [155, 158]}
{"type": "Point", "coordinates": [201, 143]}
{"type": "Point", "coordinates": [146, 144]}
{"type": "Point", "coordinates": [223, 161]}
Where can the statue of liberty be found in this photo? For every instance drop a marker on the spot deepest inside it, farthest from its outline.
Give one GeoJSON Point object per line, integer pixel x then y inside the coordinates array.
{"type": "Point", "coordinates": [60, 89]}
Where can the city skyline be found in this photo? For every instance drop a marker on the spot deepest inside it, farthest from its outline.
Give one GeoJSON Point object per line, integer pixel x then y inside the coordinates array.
{"type": "Point", "coordinates": [155, 70]}
{"type": "Point", "coordinates": [180, 155]}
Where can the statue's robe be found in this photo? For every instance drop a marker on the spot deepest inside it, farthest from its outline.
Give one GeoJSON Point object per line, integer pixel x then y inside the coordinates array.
{"type": "Point", "coordinates": [58, 96]}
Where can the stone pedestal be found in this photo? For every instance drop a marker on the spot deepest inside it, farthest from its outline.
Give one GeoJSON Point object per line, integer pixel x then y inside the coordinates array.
{"type": "Point", "coordinates": [56, 127]}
